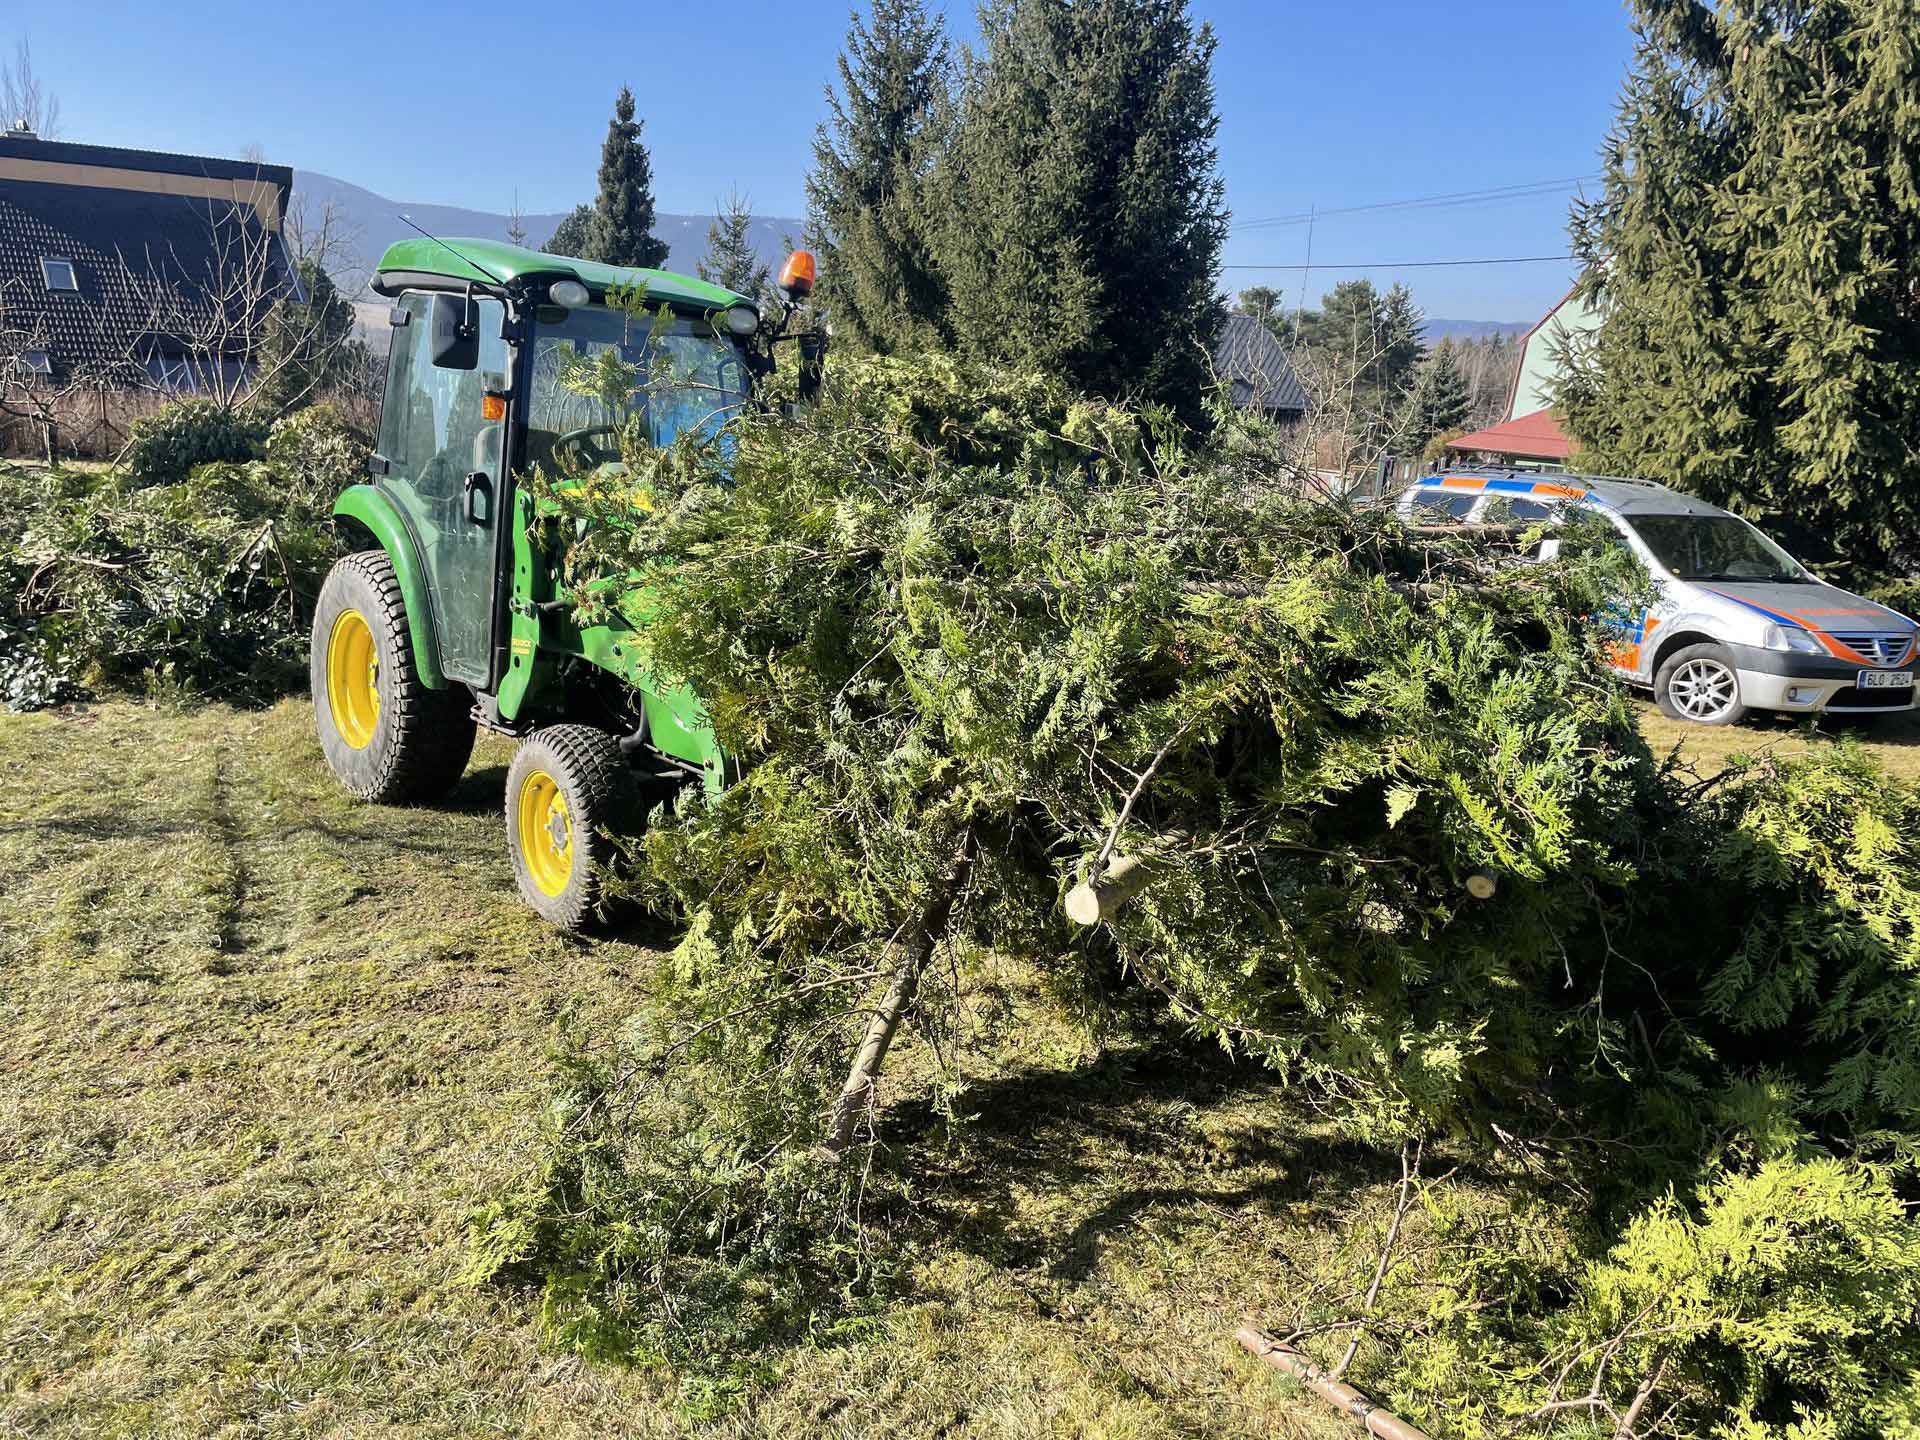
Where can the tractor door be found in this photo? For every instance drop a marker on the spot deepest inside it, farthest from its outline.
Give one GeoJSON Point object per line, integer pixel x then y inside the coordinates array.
{"type": "Point", "coordinates": [444, 470]}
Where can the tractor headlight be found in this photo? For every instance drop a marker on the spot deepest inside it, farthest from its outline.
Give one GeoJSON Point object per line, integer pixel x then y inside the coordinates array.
{"type": "Point", "coordinates": [743, 319]}
{"type": "Point", "coordinates": [570, 293]}
{"type": "Point", "coordinates": [1791, 637]}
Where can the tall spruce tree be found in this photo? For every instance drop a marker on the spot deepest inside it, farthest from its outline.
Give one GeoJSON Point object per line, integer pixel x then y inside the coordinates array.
{"type": "Point", "coordinates": [622, 231]}
{"type": "Point", "coordinates": [731, 259]}
{"type": "Point", "coordinates": [867, 214]}
{"type": "Point", "coordinates": [1755, 255]}
{"type": "Point", "coordinates": [1083, 212]}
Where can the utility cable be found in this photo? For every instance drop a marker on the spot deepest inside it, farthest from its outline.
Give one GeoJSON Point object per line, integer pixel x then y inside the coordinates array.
{"type": "Point", "coordinates": [1491, 195]}
{"type": "Point", "coordinates": [1406, 264]}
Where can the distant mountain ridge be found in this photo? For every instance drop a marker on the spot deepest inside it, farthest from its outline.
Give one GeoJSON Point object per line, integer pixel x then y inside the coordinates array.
{"type": "Point", "coordinates": [1438, 330]}
{"type": "Point", "coordinates": [373, 223]}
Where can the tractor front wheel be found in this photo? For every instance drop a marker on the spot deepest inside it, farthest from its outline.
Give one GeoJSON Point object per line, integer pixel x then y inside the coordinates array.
{"type": "Point", "coordinates": [568, 789]}
{"type": "Point", "coordinates": [386, 736]}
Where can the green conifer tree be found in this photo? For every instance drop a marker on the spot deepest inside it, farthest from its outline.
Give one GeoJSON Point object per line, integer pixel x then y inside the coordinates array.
{"type": "Point", "coordinates": [867, 217]}
{"type": "Point", "coordinates": [731, 259]}
{"type": "Point", "coordinates": [574, 235]}
{"type": "Point", "coordinates": [1439, 401]}
{"type": "Point", "coordinates": [1402, 330]}
{"type": "Point", "coordinates": [1753, 257]}
{"type": "Point", "coordinates": [1083, 212]}
{"type": "Point", "coordinates": [303, 347]}
{"type": "Point", "coordinates": [1263, 303]}
{"type": "Point", "coordinates": [622, 231]}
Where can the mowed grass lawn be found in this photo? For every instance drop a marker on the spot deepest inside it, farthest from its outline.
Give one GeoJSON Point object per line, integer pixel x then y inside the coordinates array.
{"type": "Point", "coordinates": [1892, 740]}
{"type": "Point", "coordinates": [262, 1048]}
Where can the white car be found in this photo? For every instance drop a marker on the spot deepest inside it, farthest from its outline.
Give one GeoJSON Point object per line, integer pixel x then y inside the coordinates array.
{"type": "Point", "coordinates": [1739, 624]}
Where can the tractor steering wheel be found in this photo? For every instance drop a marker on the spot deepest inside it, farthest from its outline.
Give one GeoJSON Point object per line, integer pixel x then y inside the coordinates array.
{"type": "Point", "coordinates": [592, 455]}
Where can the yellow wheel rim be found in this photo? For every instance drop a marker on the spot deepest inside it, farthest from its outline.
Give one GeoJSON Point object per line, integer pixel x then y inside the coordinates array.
{"type": "Point", "coordinates": [545, 833]}
{"type": "Point", "coordinates": [353, 679]}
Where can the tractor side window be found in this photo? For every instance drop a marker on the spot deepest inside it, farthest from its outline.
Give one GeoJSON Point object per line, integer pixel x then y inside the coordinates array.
{"type": "Point", "coordinates": [434, 435]}
{"type": "Point", "coordinates": [442, 436]}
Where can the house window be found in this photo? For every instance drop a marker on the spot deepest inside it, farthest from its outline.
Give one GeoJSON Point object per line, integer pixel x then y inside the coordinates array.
{"type": "Point", "coordinates": [58, 273]}
{"type": "Point", "coordinates": [36, 362]}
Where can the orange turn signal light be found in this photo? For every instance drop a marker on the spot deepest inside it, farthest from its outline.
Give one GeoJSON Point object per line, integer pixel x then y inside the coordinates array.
{"type": "Point", "coordinates": [493, 407]}
{"type": "Point", "coordinates": [796, 276]}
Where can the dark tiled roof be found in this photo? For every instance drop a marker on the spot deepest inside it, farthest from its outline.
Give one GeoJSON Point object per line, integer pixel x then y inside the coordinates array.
{"type": "Point", "coordinates": [1255, 368]}
{"type": "Point", "coordinates": [14, 145]}
{"type": "Point", "coordinates": [118, 241]}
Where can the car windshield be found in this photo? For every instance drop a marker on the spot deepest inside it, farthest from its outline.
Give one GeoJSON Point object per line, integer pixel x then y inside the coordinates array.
{"type": "Point", "coordinates": [1715, 547]}
{"type": "Point", "coordinates": [595, 369]}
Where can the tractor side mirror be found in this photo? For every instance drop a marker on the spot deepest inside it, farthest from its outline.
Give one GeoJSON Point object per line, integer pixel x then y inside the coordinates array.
{"type": "Point", "coordinates": [455, 326]}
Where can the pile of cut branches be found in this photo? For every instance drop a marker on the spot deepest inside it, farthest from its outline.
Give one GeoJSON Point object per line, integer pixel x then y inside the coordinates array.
{"type": "Point", "coordinates": [972, 638]}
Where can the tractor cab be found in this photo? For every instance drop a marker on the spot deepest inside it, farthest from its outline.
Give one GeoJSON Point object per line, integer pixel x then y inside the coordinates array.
{"type": "Point", "coordinates": [449, 616]}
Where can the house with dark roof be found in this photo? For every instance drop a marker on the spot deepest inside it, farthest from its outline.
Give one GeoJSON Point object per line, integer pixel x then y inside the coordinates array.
{"type": "Point", "coordinates": [132, 266]}
{"type": "Point", "coordinates": [1256, 372]}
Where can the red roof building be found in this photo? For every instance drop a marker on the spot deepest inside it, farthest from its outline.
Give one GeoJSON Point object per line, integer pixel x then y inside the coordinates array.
{"type": "Point", "coordinates": [1534, 437]}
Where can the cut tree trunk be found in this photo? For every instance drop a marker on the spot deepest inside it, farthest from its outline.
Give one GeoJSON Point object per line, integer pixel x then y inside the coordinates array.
{"type": "Point", "coordinates": [910, 954]}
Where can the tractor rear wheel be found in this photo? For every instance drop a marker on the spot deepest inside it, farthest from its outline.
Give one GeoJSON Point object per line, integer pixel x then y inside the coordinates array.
{"type": "Point", "coordinates": [567, 789]}
{"type": "Point", "coordinates": [386, 736]}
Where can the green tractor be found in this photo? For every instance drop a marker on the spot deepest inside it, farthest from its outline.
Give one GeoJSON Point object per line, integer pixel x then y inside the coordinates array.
{"type": "Point", "coordinates": [448, 616]}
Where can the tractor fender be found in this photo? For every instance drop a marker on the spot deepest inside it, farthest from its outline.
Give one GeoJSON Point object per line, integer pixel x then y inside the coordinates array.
{"type": "Point", "coordinates": [380, 518]}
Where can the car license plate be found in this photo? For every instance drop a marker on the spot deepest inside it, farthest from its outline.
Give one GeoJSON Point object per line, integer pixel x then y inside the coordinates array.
{"type": "Point", "coordinates": [1886, 679]}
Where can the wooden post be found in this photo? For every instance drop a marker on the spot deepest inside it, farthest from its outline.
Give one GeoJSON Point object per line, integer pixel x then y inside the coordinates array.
{"type": "Point", "coordinates": [911, 952]}
{"type": "Point", "coordinates": [1093, 901]}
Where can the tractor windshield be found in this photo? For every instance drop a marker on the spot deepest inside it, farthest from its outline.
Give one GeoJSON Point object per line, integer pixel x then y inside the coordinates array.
{"type": "Point", "coordinates": [595, 370]}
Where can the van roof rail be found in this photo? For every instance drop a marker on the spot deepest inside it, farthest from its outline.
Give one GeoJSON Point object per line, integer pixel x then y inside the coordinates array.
{"type": "Point", "coordinates": [1548, 474]}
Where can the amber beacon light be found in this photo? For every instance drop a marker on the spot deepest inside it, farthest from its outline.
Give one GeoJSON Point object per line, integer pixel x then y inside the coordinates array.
{"type": "Point", "coordinates": [796, 276]}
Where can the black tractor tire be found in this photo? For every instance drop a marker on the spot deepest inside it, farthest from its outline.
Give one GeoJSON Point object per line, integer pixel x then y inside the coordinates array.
{"type": "Point", "coordinates": [569, 791]}
{"type": "Point", "coordinates": [387, 737]}
{"type": "Point", "coordinates": [1701, 685]}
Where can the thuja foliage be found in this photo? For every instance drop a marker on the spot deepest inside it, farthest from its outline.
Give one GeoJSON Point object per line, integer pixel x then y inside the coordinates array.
{"type": "Point", "coordinates": [1773, 1298]}
{"type": "Point", "coordinates": [164, 447]}
{"type": "Point", "coordinates": [969, 636]}
{"type": "Point", "coordinates": [1752, 258]}
{"type": "Point", "coordinates": [200, 586]}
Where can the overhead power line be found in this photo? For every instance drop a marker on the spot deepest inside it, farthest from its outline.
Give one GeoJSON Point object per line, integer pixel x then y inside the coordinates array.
{"type": "Point", "coordinates": [1491, 195]}
{"type": "Point", "coordinates": [1407, 264]}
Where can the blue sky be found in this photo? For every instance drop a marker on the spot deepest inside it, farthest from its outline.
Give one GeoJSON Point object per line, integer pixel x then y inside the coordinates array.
{"type": "Point", "coordinates": [1322, 106]}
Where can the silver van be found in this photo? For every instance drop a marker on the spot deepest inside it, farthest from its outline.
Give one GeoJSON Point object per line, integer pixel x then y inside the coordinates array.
{"type": "Point", "coordinates": [1739, 624]}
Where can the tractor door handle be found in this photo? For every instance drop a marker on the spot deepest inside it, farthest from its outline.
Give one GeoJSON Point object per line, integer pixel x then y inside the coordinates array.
{"type": "Point", "coordinates": [479, 498]}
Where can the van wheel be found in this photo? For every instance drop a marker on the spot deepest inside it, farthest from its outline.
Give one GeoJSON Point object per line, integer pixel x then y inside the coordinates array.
{"type": "Point", "coordinates": [386, 735]}
{"type": "Point", "coordinates": [1698, 683]}
{"type": "Point", "coordinates": [568, 791]}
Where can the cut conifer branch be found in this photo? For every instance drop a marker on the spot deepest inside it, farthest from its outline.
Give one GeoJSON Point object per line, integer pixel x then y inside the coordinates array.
{"type": "Point", "coordinates": [1094, 902]}
{"type": "Point", "coordinates": [1343, 1397]}
{"type": "Point", "coordinates": [910, 950]}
